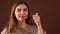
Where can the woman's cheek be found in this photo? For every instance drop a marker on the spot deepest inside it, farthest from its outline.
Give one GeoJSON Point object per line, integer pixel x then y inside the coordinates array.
{"type": "Point", "coordinates": [26, 14]}
{"type": "Point", "coordinates": [16, 14]}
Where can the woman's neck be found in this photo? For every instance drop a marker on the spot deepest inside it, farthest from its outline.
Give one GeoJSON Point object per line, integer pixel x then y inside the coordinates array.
{"type": "Point", "coordinates": [21, 24]}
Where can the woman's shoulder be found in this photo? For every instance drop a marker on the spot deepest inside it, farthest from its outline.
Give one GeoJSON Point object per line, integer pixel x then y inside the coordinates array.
{"type": "Point", "coordinates": [4, 31]}
{"type": "Point", "coordinates": [35, 29]}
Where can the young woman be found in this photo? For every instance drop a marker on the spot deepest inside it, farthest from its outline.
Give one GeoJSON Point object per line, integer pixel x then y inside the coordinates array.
{"type": "Point", "coordinates": [20, 21]}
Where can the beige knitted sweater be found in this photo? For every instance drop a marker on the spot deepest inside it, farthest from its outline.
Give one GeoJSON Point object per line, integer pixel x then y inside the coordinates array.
{"type": "Point", "coordinates": [28, 30]}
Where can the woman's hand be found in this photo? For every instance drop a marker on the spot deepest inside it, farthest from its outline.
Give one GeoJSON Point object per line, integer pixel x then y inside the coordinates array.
{"type": "Point", "coordinates": [36, 19]}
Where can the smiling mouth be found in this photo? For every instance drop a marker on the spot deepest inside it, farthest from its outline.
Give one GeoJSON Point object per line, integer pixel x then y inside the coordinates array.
{"type": "Point", "coordinates": [22, 16]}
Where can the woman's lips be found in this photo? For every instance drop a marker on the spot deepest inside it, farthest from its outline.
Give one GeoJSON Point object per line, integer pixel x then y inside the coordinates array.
{"type": "Point", "coordinates": [22, 16]}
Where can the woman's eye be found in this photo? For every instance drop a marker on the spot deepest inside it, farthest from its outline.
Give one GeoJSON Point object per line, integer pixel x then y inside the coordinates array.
{"type": "Point", "coordinates": [18, 10]}
{"type": "Point", "coordinates": [25, 9]}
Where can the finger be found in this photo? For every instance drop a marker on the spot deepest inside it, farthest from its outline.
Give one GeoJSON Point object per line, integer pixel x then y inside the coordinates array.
{"type": "Point", "coordinates": [36, 13]}
{"type": "Point", "coordinates": [33, 16]}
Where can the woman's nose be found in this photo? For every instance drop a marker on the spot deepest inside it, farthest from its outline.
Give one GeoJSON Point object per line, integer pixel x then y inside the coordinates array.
{"type": "Point", "coordinates": [22, 12]}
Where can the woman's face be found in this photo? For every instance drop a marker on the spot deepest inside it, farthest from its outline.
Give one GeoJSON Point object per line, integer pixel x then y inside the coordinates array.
{"type": "Point", "coordinates": [21, 12]}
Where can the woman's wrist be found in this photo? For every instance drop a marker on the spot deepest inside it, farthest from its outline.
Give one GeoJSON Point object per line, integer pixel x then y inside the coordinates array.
{"type": "Point", "coordinates": [38, 23]}
{"type": "Point", "coordinates": [40, 29]}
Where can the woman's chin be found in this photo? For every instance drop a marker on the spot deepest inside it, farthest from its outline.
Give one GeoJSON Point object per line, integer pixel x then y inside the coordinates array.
{"type": "Point", "coordinates": [21, 20]}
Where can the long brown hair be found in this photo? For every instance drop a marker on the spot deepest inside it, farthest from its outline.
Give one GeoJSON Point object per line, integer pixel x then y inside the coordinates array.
{"type": "Point", "coordinates": [13, 21]}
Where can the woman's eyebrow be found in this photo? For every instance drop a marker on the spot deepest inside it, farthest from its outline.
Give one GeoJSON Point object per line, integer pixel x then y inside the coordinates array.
{"type": "Point", "coordinates": [25, 8]}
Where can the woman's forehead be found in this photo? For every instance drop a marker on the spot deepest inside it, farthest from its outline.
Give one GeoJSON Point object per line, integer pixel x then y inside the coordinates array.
{"type": "Point", "coordinates": [21, 6]}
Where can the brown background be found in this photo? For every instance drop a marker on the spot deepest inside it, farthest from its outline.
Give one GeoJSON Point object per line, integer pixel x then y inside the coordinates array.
{"type": "Point", "coordinates": [49, 11]}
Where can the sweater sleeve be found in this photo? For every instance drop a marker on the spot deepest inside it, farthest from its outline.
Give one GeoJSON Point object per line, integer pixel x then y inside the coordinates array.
{"type": "Point", "coordinates": [45, 32]}
{"type": "Point", "coordinates": [4, 31]}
